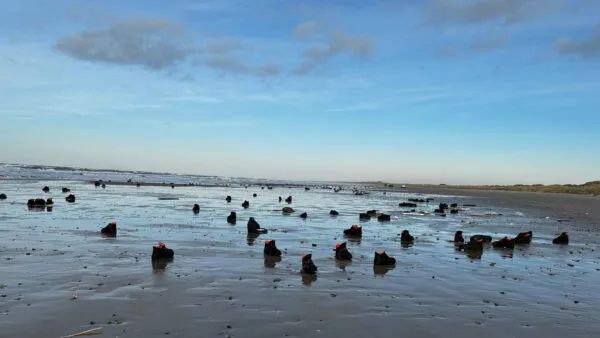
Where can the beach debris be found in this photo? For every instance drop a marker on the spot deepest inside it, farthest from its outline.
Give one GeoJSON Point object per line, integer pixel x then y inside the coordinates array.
{"type": "Point", "coordinates": [341, 252]}
{"type": "Point", "coordinates": [353, 231]}
{"type": "Point", "coordinates": [89, 332]}
{"type": "Point", "coordinates": [333, 213]}
{"type": "Point", "coordinates": [381, 258]}
{"type": "Point", "coordinates": [563, 238]}
{"type": "Point", "coordinates": [406, 237]}
{"type": "Point", "coordinates": [304, 215]}
{"type": "Point", "coordinates": [271, 249]}
{"type": "Point", "coordinates": [70, 198]}
{"type": "Point", "coordinates": [160, 251]}
{"type": "Point", "coordinates": [196, 208]}
{"type": "Point", "coordinates": [254, 227]}
{"type": "Point", "coordinates": [232, 218]}
{"type": "Point", "coordinates": [384, 218]}
{"type": "Point", "coordinates": [308, 267]}
{"type": "Point", "coordinates": [110, 229]}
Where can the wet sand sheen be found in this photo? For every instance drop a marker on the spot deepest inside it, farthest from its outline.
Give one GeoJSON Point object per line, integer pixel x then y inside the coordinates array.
{"type": "Point", "coordinates": [218, 280]}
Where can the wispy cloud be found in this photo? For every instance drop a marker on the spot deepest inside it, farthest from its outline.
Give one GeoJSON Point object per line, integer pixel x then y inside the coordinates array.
{"type": "Point", "coordinates": [339, 43]}
{"type": "Point", "coordinates": [306, 29]}
{"type": "Point", "coordinates": [587, 48]}
{"type": "Point", "coordinates": [151, 43]}
{"type": "Point", "coordinates": [440, 12]}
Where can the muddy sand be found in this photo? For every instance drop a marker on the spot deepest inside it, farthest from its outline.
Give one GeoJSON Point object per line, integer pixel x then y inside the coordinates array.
{"type": "Point", "coordinates": [58, 276]}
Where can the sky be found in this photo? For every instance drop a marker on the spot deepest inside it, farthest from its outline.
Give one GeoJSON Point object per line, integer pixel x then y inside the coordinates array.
{"type": "Point", "coordinates": [411, 91]}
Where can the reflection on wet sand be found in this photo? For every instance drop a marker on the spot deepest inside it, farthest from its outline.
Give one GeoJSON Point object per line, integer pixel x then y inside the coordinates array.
{"type": "Point", "coordinates": [343, 264]}
{"type": "Point", "coordinates": [381, 270]}
{"type": "Point", "coordinates": [159, 265]}
{"type": "Point", "coordinates": [308, 279]}
{"type": "Point", "coordinates": [271, 261]}
{"type": "Point", "coordinates": [251, 238]}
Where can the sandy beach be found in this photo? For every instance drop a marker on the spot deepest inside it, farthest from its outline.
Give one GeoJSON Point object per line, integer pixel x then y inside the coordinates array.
{"type": "Point", "coordinates": [59, 276]}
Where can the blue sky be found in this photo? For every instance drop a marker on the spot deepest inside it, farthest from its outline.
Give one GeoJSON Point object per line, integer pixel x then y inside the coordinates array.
{"type": "Point", "coordinates": [420, 91]}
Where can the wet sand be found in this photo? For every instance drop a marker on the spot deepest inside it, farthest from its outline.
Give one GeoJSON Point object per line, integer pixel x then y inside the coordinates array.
{"type": "Point", "coordinates": [59, 276]}
{"type": "Point", "coordinates": [583, 210]}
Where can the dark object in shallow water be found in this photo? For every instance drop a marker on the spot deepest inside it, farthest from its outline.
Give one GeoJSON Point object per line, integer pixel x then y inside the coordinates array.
{"type": "Point", "coordinates": [304, 215]}
{"type": "Point", "coordinates": [288, 200]}
{"type": "Point", "coordinates": [333, 213]}
{"type": "Point", "coordinates": [97, 184]}
{"type": "Point", "coordinates": [196, 209]}
{"type": "Point", "coordinates": [172, 186]}
{"type": "Point", "coordinates": [561, 239]}
{"type": "Point", "coordinates": [454, 205]}
{"type": "Point", "coordinates": [473, 245]}
{"type": "Point", "coordinates": [36, 203]}
{"type": "Point", "coordinates": [406, 237]}
{"type": "Point", "coordinates": [353, 231]}
{"type": "Point", "coordinates": [110, 229]}
{"type": "Point", "coordinates": [280, 199]}
{"type": "Point", "coordinates": [506, 243]}
{"type": "Point", "coordinates": [228, 199]}
{"type": "Point", "coordinates": [308, 267]}
{"type": "Point", "coordinates": [246, 205]}
{"type": "Point", "coordinates": [66, 190]}
{"type": "Point", "coordinates": [454, 211]}
{"type": "Point", "coordinates": [524, 237]}
{"type": "Point", "coordinates": [306, 188]}
{"type": "Point", "coordinates": [384, 218]}
{"type": "Point", "coordinates": [70, 198]}
{"type": "Point", "coordinates": [407, 205]}
{"type": "Point", "coordinates": [364, 217]}
{"type": "Point", "coordinates": [103, 186]}
{"type": "Point", "coordinates": [49, 201]}
{"type": "Point", "coordinates": [381, 258]}
{"type": "Point", "coordinates": [372, 213]}
{"type": "Point", "coordinates": [254, 195]}
{"type": "Point", "coordinates": [341, 252]}
{"type": "Point", "coordinates": [137, 184]}
{"type": "Point", "coordinates": [288, 210]}
{"type": "Point", "coordinates": [458, 237]}
{"type": "Point", "coordinates": [232, 218]}
{"type": "Point", "coordinates": [46, 189]}
{"type": "Point", "coordinates": [160, 251]}
{"type": "Point", "coordinates": [484, 238]}
{"type": "Point", "coordinates": [3, 196]}
{"type": "Point", "coordinates": [254, 227]}
{"type": "Point", "coordinates": [416, 200]}
{"type": "Point", "coordinates": [271, 249]}
{"type": "Point", "coordinates": [440, 212]}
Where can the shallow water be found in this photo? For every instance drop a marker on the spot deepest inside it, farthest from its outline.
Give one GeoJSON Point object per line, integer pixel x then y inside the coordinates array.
{"type": "Point", "coordinates": [58, 274]}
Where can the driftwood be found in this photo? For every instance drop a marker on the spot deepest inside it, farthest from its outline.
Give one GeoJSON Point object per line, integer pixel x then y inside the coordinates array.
{"type": "Point", "coordinates": [85, 333]}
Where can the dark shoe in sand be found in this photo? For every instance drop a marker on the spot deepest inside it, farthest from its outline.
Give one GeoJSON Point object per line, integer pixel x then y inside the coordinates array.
{"type": "Point", "coordinates": [254, 227]}
{"type": "Point", "coordinates": [333, 213]}
{"type": "Point", "coordinates": [246, 205]}
{"type": "Point", "coordinates": [160, 251]}
{"type": "Point", "coordinates": [280, 199]}
{"type": "Point", "coordinates": [254, 195]}
{"type": "Point", "coordinates": [364, 217]}
{"type": "Point", "coordinates": [288, 210]}
{"type": "Point", "coordinates": [49, 201]}
{"type": "Point", "coordinates": [103, 186]}
{"type": "Point", "coordinates": [3, 196]}
{"type": "Point", "coordinates": [454, 205]}
{"type": "Point", "coordinates": [288, 200]}
{"type": "Point", "coordinates": [110, 229]}
{"type": "Point", "coordinates": [372, 213]}
{"type": "Point", "coordinates": [406, 237]}
{"type": "Point", "coordinates": [196, 209]}
{"type": "Point", "coordinates": [66, 190]}
{"type": "Point", "coordinates": [271, 249]}
{"type": "Point", "coordinates": [304, 215]}
{"type": "Point", "coordinates": [384, 218]}
{"type": "Point", "coordinates": [484, 238]}
{"type": "Point", "coordinates": [505, 243]}
{"type": "Point", "coordinates": [228, 199]}
{"type": "Point", "coordinates": [308, 267]}
{"type": "Point", "coordinates": [454, 211]}
{"type": "Point", "coordinates": [473, 245]}
{"type": "Point", "coordinates": [232, 218]}
{"type": "Point", "coordinates": [36, 203]}
{"type": "Point", "coordinates": [70, 198]}
{"type": "Point", "coordinates": [353, 231]}
{"type": "Point", "coordinates": [46, 189]}
{"type": "Point", "coordinates": [458, 237]}
{"type": "Point", "coordinates": [443, 206]}
{"type": "Point", "coordinates": [341, 252]}
{"type": "Point", "coordinates": [97, 184]}
{"type": "Point", "coordinates": [407, 205]}
{"type": "Point", "coordinates": [524, 237]}
{"type": "Point", "coordinates": [381, 258]}
{"type": "Point", "coordinates": [562, 239]}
